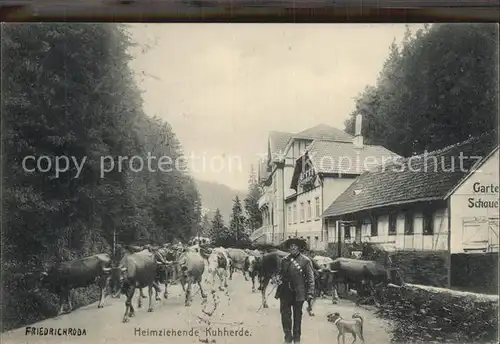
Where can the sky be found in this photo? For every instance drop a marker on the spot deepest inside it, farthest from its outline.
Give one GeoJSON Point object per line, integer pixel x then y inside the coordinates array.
{"type": "Point", "coordinates": [223, 87]}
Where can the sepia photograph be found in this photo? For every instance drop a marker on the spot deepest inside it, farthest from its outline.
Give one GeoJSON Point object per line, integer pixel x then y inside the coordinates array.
{"type": "Point", "coordinates": [249, 183]}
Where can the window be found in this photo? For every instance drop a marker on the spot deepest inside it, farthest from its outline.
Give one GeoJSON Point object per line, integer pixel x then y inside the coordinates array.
{"type": "Point", "coordinates": [408, 223]}
{"type": "Point", "coordinates": [428, 223]}
{"type": "Point", "coordinates": [393, 219]}
{"type": "Point", "coordinates": [302, 212]}
{"type": "Point", "coordinates": [364, 227]}
{"type": "Point", "coordinates": [309, 215]}
{"type": "Point", "coordinates": [289, 215]}
{"type": "Point", "coordinates": [295, 213]}
{"type": "Point", "coordinates": [357, 231]}
{"type": "Point", "coordinates": [318, 210]}
{"type": "Point", "coordinates": [308, 172]}
{"type": "Point", "coordinates": [374, 226]}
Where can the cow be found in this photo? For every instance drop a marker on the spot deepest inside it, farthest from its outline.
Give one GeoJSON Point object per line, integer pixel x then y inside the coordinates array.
{"type": "Point", "coordinates": [191, 266]}
{"type": "Point", "coordinates": [63, 277]}
{"type": "Point", "coordinates": [161, 277]}
{"type": "Point", "coordinates": [202, 250]}
{"type": "Point", "coordinates": [322, 274]}
{"type": "Point", "coordinates": [219, 264]}
{"type": "Point", "coordinates": [269, 267]}
{"type": "Point", "coordinates": [164, 274]}
{"type": "Point", "coordinates": [363, 275]}
{"type": "Point", "coordinates": [318, 273]}
{"type": "Point", "coordinates": [322, 261]}
{"type": "Point", "coordinates": [252, 265]}
{"type": "Point", "coordinates": [238, 257]}
{"type": "Point", "coordinates": [171, 253]}
{"type": "Point", "coordinates": [137, 270]}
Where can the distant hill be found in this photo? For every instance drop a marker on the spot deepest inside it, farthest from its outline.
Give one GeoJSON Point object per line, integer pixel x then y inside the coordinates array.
{"type": "Point", "coordinates": [214, 195]}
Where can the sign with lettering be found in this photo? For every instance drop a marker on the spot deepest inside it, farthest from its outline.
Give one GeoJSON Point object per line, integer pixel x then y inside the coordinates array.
{"type": "Point", "coordinates": [484, 190]}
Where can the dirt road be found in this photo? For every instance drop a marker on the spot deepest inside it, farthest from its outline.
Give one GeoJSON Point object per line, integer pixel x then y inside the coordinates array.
{"type": "Point", "coordinates": [238, 309]}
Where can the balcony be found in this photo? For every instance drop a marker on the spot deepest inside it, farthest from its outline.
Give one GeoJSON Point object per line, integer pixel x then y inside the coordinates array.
{"type": "Point", "coordinates": [258, 233]}
{"type": "Point", "coordinates": [263, 200]}
{"type": "Point", "coordinates": [265, 235]}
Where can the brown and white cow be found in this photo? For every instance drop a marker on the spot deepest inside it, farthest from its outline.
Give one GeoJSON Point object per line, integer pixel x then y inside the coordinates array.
{"type": "Point", "coordinates": [238, 258]}
{"type": "Point", "coordinates": [219, 265]}
{"type": "Point", "coordinates": [191, 266]}
{"type": "Point", "coordinates": [252, 265]}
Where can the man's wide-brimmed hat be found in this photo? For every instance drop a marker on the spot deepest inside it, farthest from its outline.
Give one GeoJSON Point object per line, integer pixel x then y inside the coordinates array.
{"type": "Point", "coordinates": [301, 243]}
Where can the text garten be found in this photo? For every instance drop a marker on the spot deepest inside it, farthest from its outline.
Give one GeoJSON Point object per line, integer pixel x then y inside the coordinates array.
{"type": "Point", "coordinates": [479, 188]}
{"type": "Point", "coordinates": [51, 331]}
{"type": "Point", "coordinates": [480, 203]}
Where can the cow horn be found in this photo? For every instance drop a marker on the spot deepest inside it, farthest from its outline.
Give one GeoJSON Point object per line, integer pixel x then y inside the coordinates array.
{"type": "Point", "coordinates": [123, 269]}
{"type": "Point", "coordinates": [106, 269]}
{"type": "Point", "coordinates": [44, 273]}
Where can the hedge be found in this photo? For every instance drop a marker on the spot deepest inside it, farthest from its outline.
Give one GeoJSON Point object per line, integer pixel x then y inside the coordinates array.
{"type": "Point", "coordinates": [423, 314]}
{"type": "Point", "coordinates": [423, 267]}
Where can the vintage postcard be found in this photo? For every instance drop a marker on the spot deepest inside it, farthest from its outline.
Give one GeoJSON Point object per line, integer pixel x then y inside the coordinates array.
{"type": "Point", "coordinates": [249, 183]}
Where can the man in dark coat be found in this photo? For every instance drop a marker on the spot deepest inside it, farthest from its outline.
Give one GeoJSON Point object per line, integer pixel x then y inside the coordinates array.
{"type": "Point", "coordinates": [296, 286]}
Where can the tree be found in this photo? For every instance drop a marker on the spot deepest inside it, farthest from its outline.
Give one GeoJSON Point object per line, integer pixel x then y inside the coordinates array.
{"type": "Point", "coordinates": [219, 235]}
{"type": "Point", "coordinates": [440, 88]}
{"type": "Point", "coordinates": [69, 92]}
{"type": "Point", "coordinates": [206, 226]}
{"type": "Point", "coordinates": [237, 225]}
{"type": "Point", "coordinates": [253, 215]}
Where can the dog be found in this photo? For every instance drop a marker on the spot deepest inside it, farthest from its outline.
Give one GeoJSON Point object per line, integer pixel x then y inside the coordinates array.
{"type": "Point", "coordinates": [355, 326]}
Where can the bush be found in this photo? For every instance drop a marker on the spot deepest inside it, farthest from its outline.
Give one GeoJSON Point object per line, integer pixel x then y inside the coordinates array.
{"type": "Point", "coordinates": [426, 314]}
{"type": "Point", "coordinates": [22, 304]}
{"type": "Point", "coordinates": [423, 267]}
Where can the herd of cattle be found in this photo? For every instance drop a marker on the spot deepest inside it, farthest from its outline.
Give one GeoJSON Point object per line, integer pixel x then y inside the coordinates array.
{"type": "Point", "coordinates": [150, 267]}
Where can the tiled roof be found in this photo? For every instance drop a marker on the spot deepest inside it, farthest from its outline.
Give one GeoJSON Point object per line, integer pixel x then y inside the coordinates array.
{"type": "Point", "coordinates": [345, 158]}
{"type": "Point", "coordinates": [341, 158]}
{"type": "Point", "coordinates": [324, 132]}
{"type": "Point", "coordinates": [420, 178]}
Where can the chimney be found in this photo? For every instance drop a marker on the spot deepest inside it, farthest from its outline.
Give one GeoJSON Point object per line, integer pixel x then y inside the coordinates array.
{"type": "Point", "coordinates": [358, 138]}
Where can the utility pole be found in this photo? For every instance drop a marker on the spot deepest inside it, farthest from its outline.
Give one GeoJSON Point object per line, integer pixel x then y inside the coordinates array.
{"type": "Point", "coordinates": [114, 242]}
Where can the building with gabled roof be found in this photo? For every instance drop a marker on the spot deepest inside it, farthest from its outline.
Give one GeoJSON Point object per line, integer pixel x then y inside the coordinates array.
{"type": "Point", "coordinates": [324, 132]}
{"type": "Point", "coordinates": [320, 154]}
{"type": "Point", "coordinates": [341, 158]}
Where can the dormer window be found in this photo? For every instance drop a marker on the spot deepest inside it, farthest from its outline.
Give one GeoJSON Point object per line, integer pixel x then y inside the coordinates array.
{"type": "Point", "coordinates": [308, 173]}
